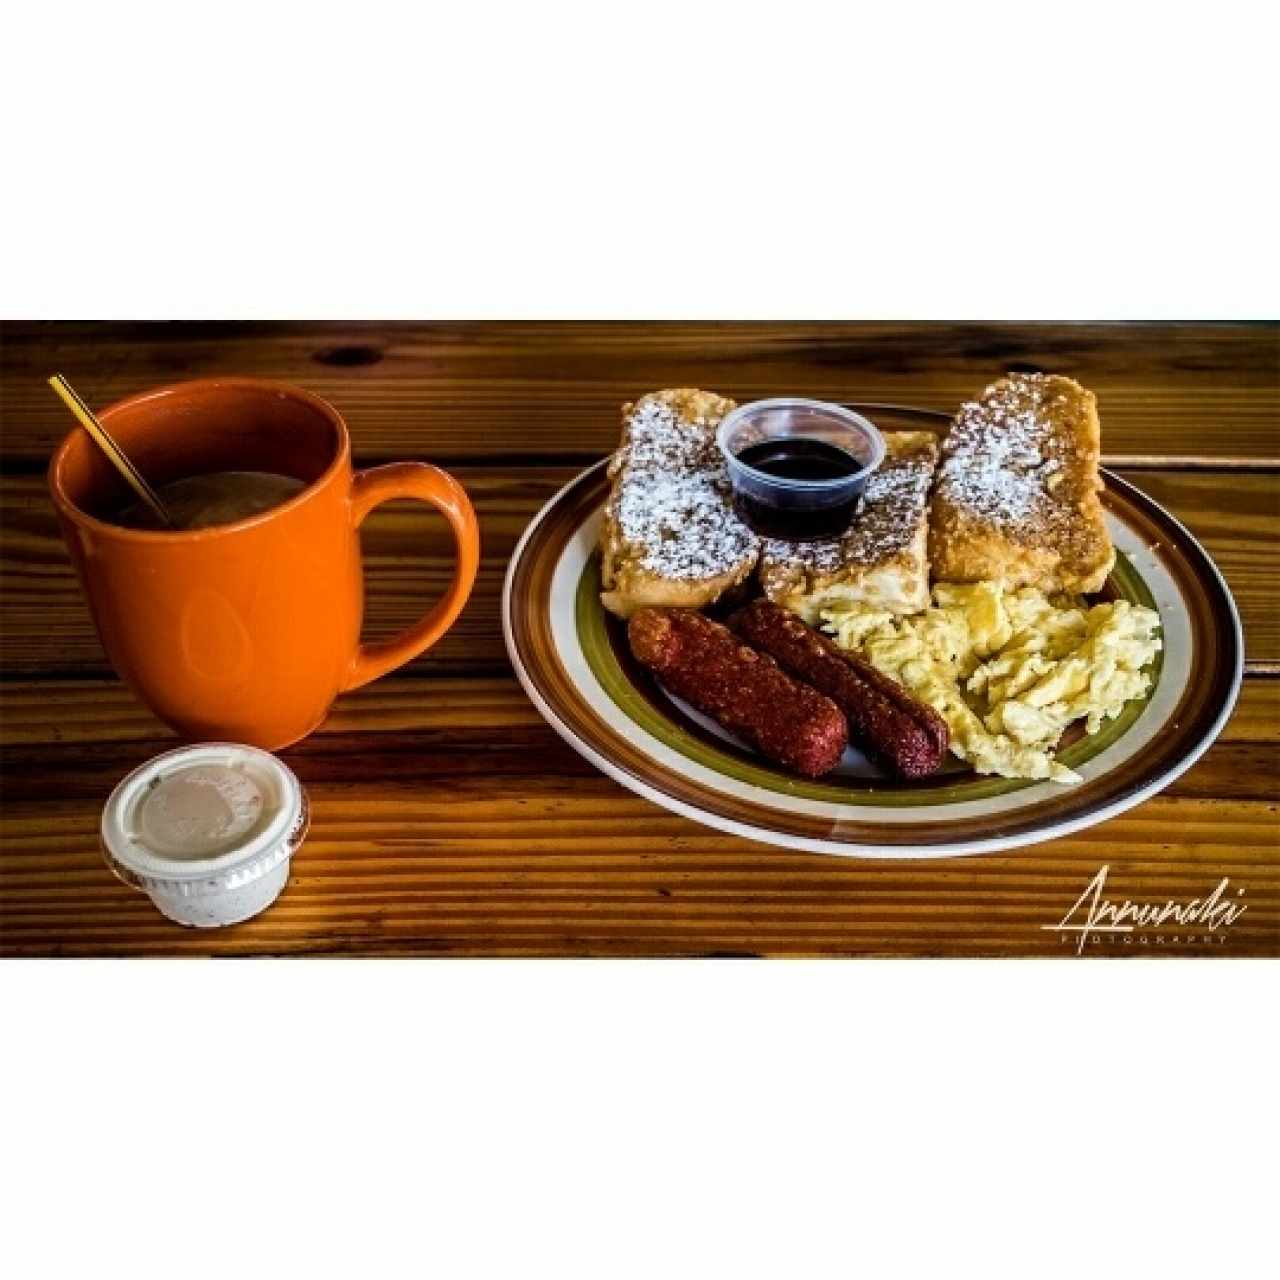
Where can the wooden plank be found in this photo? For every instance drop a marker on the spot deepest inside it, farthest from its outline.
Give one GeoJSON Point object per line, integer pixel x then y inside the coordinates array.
{"type": "Point", "coordinates": [458, 732]}
{"type": "Point", "coordinates": [47, 627]}
{"type": "Point", "coordinates": [447, 818]}
{"type": "Point", "coordinates": [94, 712]}
{"type": "Point", "coordinates": [591, 870]}
{"type": "Point", "coordinates": [544, 390]}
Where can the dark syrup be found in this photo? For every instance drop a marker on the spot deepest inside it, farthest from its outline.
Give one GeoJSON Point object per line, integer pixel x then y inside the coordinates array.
{"type": "Point", "coordinates": [799, 515]}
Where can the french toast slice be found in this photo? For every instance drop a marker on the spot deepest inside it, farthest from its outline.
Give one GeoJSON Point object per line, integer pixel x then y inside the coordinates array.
{"type": "Point", "coordinates": [670, 535]}
{"type": "Point", "coordinates": [1017, 494]}
{"type": "Point", "coordinates": [881, 560]}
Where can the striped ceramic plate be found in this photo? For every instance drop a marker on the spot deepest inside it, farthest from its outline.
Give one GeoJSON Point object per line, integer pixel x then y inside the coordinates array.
{"type": "Point", "coordinates": [572, 658]}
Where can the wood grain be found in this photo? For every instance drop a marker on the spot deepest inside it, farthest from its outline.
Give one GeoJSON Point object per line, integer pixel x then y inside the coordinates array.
{"type": "Point", "coordinates": [409, 731]}
{"type": "Point", "coordinates": [589, 870]}
{"type": "Point", "coordinates": [445, 391]}
{"type": "Point", "coordinates": [48, 628]}
{"type": "Point", "coordinates": [448, 818]}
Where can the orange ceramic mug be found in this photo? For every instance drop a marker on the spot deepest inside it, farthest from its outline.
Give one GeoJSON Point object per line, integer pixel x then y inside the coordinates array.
{"type": "Point", "coordinates": [244, 631]}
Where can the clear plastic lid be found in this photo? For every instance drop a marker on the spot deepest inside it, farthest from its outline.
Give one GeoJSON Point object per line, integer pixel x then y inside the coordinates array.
{"type": "Point", "coordinates": [792, 418]}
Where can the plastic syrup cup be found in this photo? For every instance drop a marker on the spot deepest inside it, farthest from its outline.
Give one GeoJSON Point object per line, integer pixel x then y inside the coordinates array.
{"type": "Point", "coordinates": [787, 504]}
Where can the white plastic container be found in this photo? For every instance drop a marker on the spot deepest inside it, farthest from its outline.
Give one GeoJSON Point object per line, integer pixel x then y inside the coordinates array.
{"type": "Point", "coordinates": [207, 832]}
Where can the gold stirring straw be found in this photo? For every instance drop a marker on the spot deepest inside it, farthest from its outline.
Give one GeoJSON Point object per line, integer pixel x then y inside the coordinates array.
{"type": "Point", "coordinates": [108, 446]}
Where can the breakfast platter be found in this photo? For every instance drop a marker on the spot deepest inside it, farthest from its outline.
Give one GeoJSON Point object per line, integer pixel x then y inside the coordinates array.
{"type": "Point", "coordinates": [1142, 583]}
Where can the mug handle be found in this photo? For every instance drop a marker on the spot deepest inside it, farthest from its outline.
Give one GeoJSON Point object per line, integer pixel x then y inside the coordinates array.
{"type": "Point", "coordinates": [440, 490]}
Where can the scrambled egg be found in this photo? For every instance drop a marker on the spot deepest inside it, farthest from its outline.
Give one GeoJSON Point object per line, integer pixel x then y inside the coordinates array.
{"type": "Point", "coordinates": [1009, 670]}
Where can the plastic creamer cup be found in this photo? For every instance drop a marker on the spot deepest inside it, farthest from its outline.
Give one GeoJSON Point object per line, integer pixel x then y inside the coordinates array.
{"type": "Point", "coordinates": [206, 832]}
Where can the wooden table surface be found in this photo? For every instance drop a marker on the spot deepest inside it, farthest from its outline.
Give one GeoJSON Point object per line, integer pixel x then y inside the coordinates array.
{"type": "Point", "coordinates": [448, 819]}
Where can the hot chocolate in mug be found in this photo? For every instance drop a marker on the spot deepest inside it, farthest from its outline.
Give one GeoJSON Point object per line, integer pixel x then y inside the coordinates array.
{"type": "Point", "coordinates": [245, 631]}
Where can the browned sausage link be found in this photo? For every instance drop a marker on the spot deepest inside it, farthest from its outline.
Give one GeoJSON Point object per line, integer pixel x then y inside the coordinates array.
{"type": "Point", "coordinates": [884, 718]}
{"type": "Point", "coordinates": [748, 693]}
{"type": "Point", "coordinates": [923, 714]}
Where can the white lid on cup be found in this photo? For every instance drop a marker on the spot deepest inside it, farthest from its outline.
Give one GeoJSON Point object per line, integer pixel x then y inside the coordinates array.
{"type": "Point", "coordinates": [206, 831]}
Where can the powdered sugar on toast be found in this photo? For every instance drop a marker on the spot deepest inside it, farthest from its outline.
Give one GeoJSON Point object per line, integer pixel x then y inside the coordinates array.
{"type": "Point", "coordinates": [674, 504]}
{"type": "Point", "coordinates": [881, 558]}
{"type": "Point", "coordinates": [1002, 453]}
{"type": "Point", "coordinates": [1017, 498]}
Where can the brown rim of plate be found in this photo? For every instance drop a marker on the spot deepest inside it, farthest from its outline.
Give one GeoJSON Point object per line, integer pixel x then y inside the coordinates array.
{"type": "Point", "coordinates": [1216, 664]}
